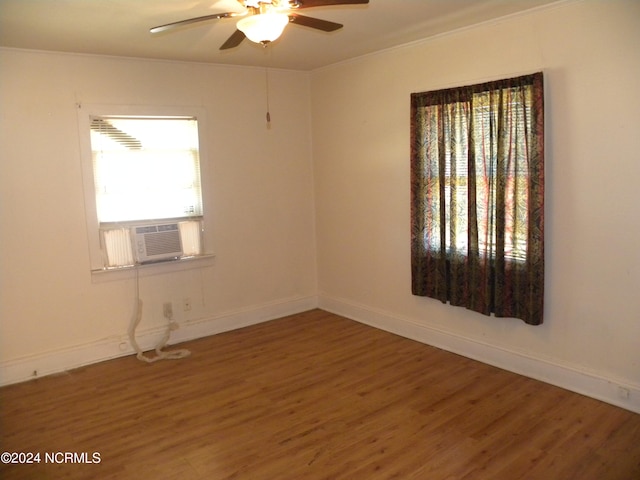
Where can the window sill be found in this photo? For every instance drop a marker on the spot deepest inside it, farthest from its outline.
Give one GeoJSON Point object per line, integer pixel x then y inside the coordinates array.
{"type": "Point", "coordinates": [148, 269]}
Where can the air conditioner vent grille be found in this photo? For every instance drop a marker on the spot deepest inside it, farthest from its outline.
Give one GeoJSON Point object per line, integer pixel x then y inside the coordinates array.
{"type": "Point", "coordinates": [162, 242]}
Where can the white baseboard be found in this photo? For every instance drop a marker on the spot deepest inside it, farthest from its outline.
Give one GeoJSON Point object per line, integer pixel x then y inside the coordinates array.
{"type": "Point", "coordinates": [613, 391]}
{"type": "Point", "coordinates": [61, 360]}
{"type": "Point", "coordinates": [608, 390]}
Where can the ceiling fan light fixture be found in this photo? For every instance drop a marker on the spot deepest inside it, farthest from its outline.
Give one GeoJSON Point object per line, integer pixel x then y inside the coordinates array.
{"type": "Point", "coordinates": [263, 28]}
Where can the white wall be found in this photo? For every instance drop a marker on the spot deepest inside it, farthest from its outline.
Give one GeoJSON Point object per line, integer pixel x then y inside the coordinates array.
{"type": "Point", "coordinates": [53, 313]}
{"type": "Point", "coordinates": [590, 341]}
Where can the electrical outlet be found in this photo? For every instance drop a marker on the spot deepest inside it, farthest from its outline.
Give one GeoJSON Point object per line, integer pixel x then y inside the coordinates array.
{"type": "Point", "coordinates": [167, 309]}
{"type": "Point", "coordinates": [623, 393]}
{"type": "Point", "coordinates": [186, 304]}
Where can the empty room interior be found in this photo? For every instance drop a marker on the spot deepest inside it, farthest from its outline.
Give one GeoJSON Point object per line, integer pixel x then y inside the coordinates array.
{"type": "Point", "coordinates": [293, 337]}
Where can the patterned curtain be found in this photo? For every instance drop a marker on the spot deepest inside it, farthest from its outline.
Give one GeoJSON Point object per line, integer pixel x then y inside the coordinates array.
{"type": "Point", "coordinates": [477, 197]}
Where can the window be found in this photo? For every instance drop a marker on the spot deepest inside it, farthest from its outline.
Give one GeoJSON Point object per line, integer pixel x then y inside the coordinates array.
{"type": "Point", "coordinates": [145, 168]}
{"type": "Point", "coordinates": [477, 170]}
{"type": "Point", "coordinates": [476, 127]}
{"type": "Point", "coordinates": [144, 171]}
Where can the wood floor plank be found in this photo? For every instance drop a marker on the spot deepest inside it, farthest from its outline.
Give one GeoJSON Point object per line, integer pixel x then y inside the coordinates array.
{"type": "Point", "coordinates": [313, 396]}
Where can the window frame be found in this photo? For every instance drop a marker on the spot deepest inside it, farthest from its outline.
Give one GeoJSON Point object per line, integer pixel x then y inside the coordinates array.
{"type": "Point", "coordinates": [94, 238]}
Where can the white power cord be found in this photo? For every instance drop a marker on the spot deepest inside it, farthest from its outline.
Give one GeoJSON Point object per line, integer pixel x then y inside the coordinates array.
{"type": "Point", "coordinates": [160, 354]}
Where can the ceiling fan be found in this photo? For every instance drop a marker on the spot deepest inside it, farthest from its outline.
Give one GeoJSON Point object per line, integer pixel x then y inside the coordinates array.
{"type": "Point", "coordinates": [263, 21]}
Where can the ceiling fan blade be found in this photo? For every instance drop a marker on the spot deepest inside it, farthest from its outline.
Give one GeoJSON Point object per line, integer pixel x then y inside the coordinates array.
{"type": "Point", "coordinates": [316, 23]}
{"type": "Point", "coordinates": [181, 23]}
{"type": "Point", "coordinates": [323, 3]}
{"type": "Point", "coordinates": [234, 40]}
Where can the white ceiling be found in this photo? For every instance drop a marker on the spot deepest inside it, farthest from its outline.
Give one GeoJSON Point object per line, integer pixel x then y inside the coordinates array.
{"type": "Point", "coordinates": [121, 28]}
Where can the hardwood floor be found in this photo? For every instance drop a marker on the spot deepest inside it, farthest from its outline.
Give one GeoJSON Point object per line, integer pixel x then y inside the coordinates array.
{"type": "Point", "coordinates": [312, 396]}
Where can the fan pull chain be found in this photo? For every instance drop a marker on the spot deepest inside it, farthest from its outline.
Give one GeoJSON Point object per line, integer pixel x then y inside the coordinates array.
{"type": "Point", "coordinates": [266, 74]}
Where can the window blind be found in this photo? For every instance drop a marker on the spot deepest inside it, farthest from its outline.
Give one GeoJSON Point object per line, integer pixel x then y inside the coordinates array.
{"type": "Point", "coordinates": [146, 168]}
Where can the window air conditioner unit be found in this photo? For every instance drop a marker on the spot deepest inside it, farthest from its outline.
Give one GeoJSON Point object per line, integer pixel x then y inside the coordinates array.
{"type": "Point", "coordinates": [152, 243]}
